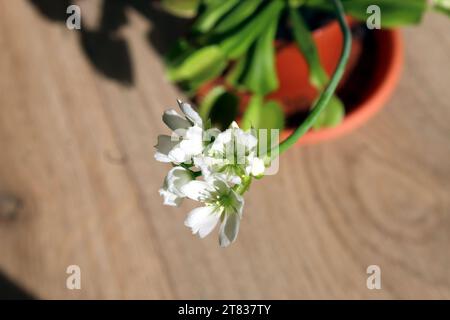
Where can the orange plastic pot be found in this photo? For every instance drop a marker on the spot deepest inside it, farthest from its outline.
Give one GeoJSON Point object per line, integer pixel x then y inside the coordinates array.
{"type": "Point", "coordinates": [295, 93]}
{"type": "Point", "coordinates": [378, 87]}
{"type": "Point", "coordinates": [373, 88]}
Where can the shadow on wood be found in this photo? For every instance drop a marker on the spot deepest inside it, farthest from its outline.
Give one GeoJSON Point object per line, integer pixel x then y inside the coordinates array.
{"type": "Point", "coordinates": [104, 46]}
{"type": "Point", "coordinates": [10, 291]}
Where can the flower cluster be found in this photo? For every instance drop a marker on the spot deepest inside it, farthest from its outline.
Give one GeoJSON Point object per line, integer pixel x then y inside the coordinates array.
{"type": "Point", "coordinates": [227, 161]}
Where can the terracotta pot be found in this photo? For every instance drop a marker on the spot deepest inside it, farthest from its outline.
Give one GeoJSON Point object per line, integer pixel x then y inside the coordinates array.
{"type": "Point", "coordinates": [370, 78]}
{"type": "Point", "coordinates": [295, 93]}
{"type": "Point", "coordinates": [385, 73]}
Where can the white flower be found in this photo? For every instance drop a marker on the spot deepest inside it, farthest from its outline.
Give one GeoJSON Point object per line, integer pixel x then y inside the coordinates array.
{"type": "Point", "coordinates": [175, 180]}
{"type": "Point", "coordinates": [187, 138]}
{"type": "Point", "coordinates": [221, 204]}
{"type": "Point", "coordinates": [227, 161]}
{"type": "Point", "coordinates": [174, 121]}
{"type": "Point", "coordinates": [232, 155]}
{"type": "Point", "coordinates": [234, 138]}
{"type": "Point", "coordinates": [255, 166]}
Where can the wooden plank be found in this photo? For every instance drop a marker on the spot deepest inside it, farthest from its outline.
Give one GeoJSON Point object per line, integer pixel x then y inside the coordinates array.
{"type": "Point", "coordinates": [77, 153]}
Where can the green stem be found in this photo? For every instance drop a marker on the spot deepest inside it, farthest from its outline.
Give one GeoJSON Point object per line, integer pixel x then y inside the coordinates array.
{"type": "Point", "coordinates": [326, 95]}
{"type": "Point", "coordinates": [244, 186]}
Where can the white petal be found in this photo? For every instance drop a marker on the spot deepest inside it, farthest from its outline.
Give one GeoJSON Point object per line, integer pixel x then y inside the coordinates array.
{"type": "Point", "coordinates": [178, 155]}
{"type": "Point", "coordinates": [194, 133]}
{"type": "Point", "coordinates": [192, 143]}
{"type": "Point", "coordinates": [237, 203]}
{"type": "Point", "coordinates": [162, 157]}
{"type": "Point", "coordinates": [177, 178]}
{"type": "Point", "coordinates": [202, 220]}
{"type": "Point", "coordinates": [170, 199]}
{"type": "Point", "coordinates": [229, 230]}
{"type": "Point", "coordinates": [222, 139]}
{"type": "Point", "coordinates": [234, 125]}
{"type": "Point", "coordinates": [190, 113]}
{"type": "Point", "coordinates": [174, 121]}
{"type": "Point", "coordinates": [191, 147]}
{"type": "Point", "coordinates": [246, 139]}
{"type": "Point", "coordinates": [197, 190]}
{"type": "Point", "coordinates": [228, 178]}
{"type": "Point", "coordinates": [234, 179]}
{"type": "Point", "coordinates": [210, 134]}
{"type": "Point", "coordinates": [165, 144]}
{"type": "Point", "coordinates": [257, 167]}
{"type": "Point", "coordinates": [204, 164]}
{"type": "Point", "coordinates": [219, 184]}
{"type": "Point", "coordinates": [250, 141]}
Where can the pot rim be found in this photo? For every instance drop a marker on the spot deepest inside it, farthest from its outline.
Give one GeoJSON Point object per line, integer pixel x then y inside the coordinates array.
{"type": "Point", "coordinates": [373, 103]}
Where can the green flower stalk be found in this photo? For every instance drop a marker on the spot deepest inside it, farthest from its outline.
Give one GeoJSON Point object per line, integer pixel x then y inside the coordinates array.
{"type": "Point", "coordinates": [327, 94]}
{"type": "Point", "coordinates": [226, 161]}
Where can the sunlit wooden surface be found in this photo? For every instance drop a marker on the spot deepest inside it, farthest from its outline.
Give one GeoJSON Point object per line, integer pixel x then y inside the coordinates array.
{"type": "Point", "coordinates": [76, 166]}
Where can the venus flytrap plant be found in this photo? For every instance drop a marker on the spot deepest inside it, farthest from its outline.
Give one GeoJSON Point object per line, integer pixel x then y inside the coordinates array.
{"type": "Point", "coordinates": [235, 43]}
{"type": "Point", "coordinates": [214, 167]}
{"type": "Point", "coordinates": [335, 111]}
{"type": "Point", "coordinates": [324, 99]}
{"type": "Point", "coordinates": [227, 161]}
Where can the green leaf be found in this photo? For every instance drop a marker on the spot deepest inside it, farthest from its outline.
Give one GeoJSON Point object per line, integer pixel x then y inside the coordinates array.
{"type": "Point", "coordinates": [214, 12]}
{"type": "Point", "coordinates": [332, 115]}
{"type": "Point", "coordinates": [220, 106]}
{"type": "Point", "coordinates": [252, 113]}
{"type": "Point", "coordinates": [260, 115]}
{"type": "Point", "coordinates": [178, 53]}
{"type": "Point", "coordinates": [181, 8]}
{"type": "Point", "coordinates": [296, 3]}
{"type": "Point", "coordinates": [394, 13]}
{"type": "Point", "coordinates": [335, 111]}
{"type": "Point", "coordinates": [235, 45]}
{"type": "Point", "coordinates": [208, 102]}
{"type": "Point", "coordinates": [272, 116]}
{"type": "Point", "coordinates": [239, 14]}
{"type": "Point", "coordinates": [261, 75]}
{"type": "Point", "coordinates": [202, 65]}
{"type": "Point", "coordinates": [442, 6]}
{"type": "Point", "coordinates": [302, 35]}
{"type": "Point", "coordinates": [234, 77]}
{"type": "Point", "coordinates": [263, 115]}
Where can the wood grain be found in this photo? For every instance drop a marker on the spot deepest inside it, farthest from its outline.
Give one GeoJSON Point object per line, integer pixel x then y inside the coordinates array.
{"type": "Point", "coordinates": [77, 169]}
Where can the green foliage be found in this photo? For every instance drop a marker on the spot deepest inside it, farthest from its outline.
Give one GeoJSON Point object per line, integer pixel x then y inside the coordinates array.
{"type": "Point", "coordinates": [220, 107]}
{"type": "Point", "coordinates": [296, 3]}
{"type": "Point", "coordinates": [235, 39]}
{"type": "Point", "coordinates": [303, 37]}
{"type": "Point", "coordinates": [200, 66]}
{"type": "Point", "coordinates": [335, 111]}
{"type": "Point", "coordinates": [394, 13]}
{"type": "Point", "coordinates": [258, 72]}
{"type": "Point", "coordinates": [208, 102]}
{"type": "Point", "coordinates": [215, 10]}
{"type": "Point", "coordinates": [234, 77]}
{"type": "Point", "coordinates": [178, 53]}
{"type": "Point", "coordinates": [181, 8]}
{"type": "Point", "coordinates": [239, 14]}
{"type": "Point", "coordinates": [332, 115]}
{"type": "Point", "coordinates": [236, 44]}
{"type": "Point", "coordinates": [263, 115]}
{"type": "Point", "coordinates": [442, 6]}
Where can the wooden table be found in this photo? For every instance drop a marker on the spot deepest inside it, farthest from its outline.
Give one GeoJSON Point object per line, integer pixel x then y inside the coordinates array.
{"type": "Point", "coordinates": [78, 184]}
